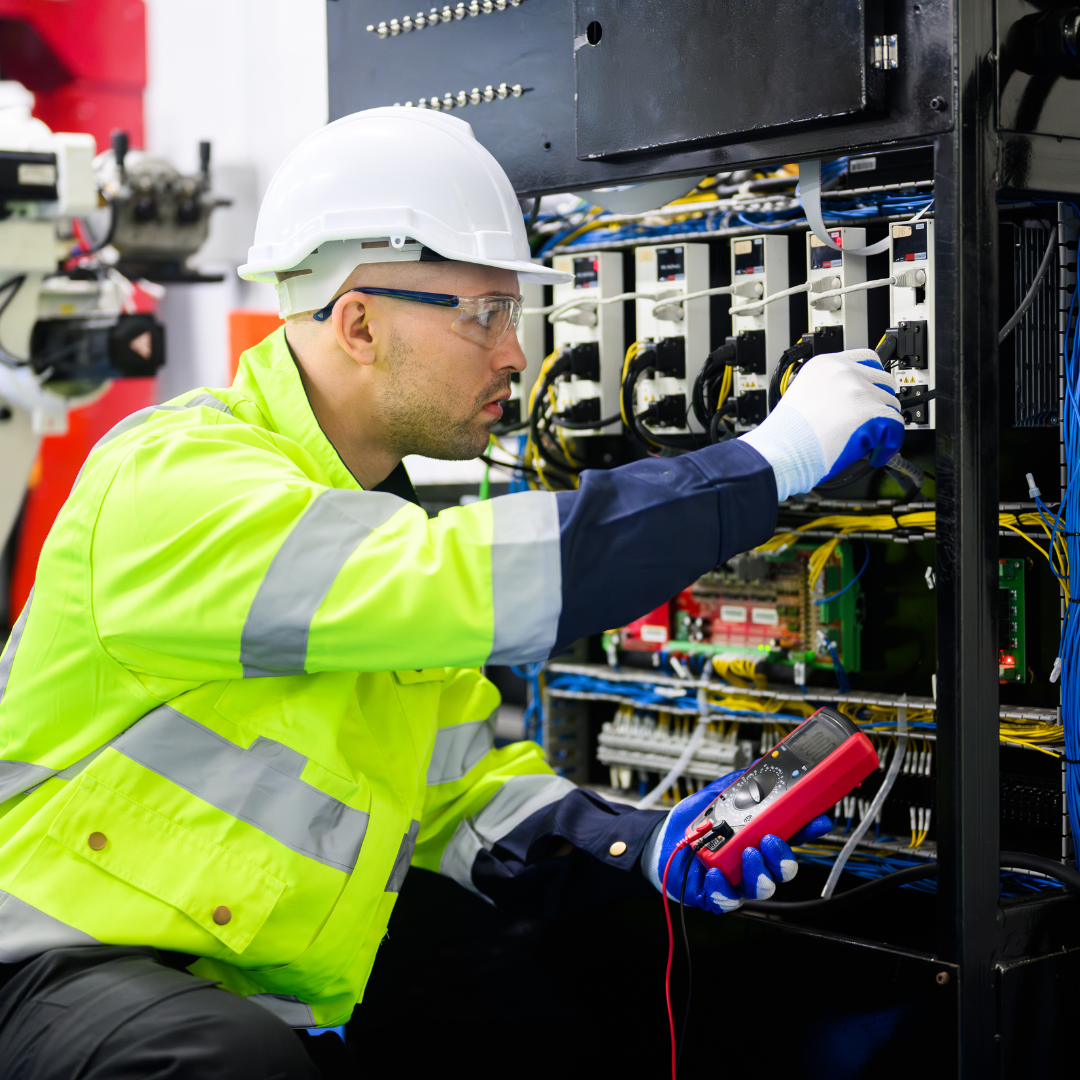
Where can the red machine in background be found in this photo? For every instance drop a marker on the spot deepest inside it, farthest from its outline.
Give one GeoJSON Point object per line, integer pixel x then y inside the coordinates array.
{"type": "Point", "coordinates": [130, 223]}
{"type": "Point", "coordinates": [85, 62]}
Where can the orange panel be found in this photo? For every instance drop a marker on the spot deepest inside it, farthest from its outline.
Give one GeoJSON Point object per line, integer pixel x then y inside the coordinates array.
{"type": "Point", "coordinates": [246, 330]}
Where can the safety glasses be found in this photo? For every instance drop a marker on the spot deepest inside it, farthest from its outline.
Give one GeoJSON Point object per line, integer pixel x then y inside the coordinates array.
{"type": "Point", "coordinates": [483, 319]}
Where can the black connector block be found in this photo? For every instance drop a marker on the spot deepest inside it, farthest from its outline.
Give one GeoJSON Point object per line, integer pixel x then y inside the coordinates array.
{"type": "Point", "coordinates": [670, 411]}
{"type": "Point", "coordinates": [581, 412]}
{"type": "Point", "coordinates": [752, 407]}
{"type": "Point", "coordinates": [912, 345]}
{"type": "Point", "coordinates": [585, 363]}
{"type": "Point", "coordinates": [749, 351]}
{"type": "Point", "coordinates": [671, 357]}
{"type": "Point", "coordinates": [511, 411]}
{"type": "Point", "coordinates": [825, 339]}
{"type": "Point", "coordinates": [915, 403]}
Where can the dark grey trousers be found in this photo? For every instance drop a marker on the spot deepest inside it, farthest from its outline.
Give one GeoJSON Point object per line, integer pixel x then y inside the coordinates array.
{"type": "Point", "coordinates": [118, 1013]}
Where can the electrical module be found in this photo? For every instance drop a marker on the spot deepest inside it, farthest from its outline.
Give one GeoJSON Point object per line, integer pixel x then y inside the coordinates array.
{"type": "Point", "coordinates": [827, 270]}
{"type": "Point", "coordinates": [761, 332]}
{"type": "Point", "coordinates": [763, 606]}
{"type": "Point", "coordinates": [677, 331]}
{"type": "Point", "coordinates": [595, 333]}
{"type": "Point", "coordinates": [912, 314]}
{"type": "Point", "coordinates": [1012, 658]}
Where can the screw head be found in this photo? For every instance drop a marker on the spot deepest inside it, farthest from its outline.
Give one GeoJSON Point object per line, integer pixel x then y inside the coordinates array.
{"type": "Point", "coordinates": [942, 978]}
{"type": "Point", "coordinates": [938, 104]}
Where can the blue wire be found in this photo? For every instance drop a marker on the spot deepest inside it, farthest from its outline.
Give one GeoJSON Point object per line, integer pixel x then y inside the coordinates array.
{"type": "Point", "coordinates": [535, 709]}
{"type": "Point", "coordinates": [866, 563]}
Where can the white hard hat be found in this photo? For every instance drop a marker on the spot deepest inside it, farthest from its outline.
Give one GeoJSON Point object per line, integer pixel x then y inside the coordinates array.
{"type": "Point", "coordinates": [385, 185]}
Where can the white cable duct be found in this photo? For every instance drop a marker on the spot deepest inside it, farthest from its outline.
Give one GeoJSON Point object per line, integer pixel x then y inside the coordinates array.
{"type": "Point", "coordinates": [691, 748]}
{"type": "Point", "coordinates": [879, 799]}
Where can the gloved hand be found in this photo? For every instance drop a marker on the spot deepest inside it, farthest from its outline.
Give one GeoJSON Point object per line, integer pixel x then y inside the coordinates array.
{"type": "Point", "coordinates": [709, 889]}
{"type": "Point", "coordinates": [839, 408]}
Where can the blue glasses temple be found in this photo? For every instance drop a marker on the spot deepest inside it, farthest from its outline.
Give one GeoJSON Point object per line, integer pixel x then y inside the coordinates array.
{"type": "Point", "coordinates": [442, 299]}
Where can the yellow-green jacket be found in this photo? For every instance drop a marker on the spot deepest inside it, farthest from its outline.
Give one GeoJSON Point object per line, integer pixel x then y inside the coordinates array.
{"type": "Point", "coordinates": [245, 694]}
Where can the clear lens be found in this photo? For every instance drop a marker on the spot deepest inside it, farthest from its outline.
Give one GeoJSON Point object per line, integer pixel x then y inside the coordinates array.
{"type": "Point", "coordinates": [487, 319]}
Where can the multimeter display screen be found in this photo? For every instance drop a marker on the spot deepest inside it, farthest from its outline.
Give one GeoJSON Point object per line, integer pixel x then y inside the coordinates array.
{"type": "Point", "coordinates": [816, 741]}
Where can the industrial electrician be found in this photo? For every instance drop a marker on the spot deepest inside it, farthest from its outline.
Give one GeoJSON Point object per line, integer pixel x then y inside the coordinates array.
{"type": "Point", "coordinates": [245, 694]}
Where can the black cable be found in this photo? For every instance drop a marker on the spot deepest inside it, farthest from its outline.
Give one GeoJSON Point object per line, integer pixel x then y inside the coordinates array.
{"type": "Point", "coordinates": [651, 439]}
{"type": "Point", "coordinates": [1029, 297]}
{"type": "Point", "coordinates": [17, 282]}
{"type": "Point", "coordinates": [689, 962]}
{"type": "Point", "coordinates": [509, 429]}
{"type": "Point", "coordinates": [510, 466]}
{"type": "Point", "coordinates": [557, 369]}
{"type": "Point", "coordinates": [586, 425]}
{"type": "Point", "coordinates": [1021, 860]}
{"type": "Point", "coordinates": [534, 213]}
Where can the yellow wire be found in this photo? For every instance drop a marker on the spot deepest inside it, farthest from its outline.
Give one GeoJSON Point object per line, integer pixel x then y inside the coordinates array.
{"type": "Point", "coordinates": [725, 387]}
{"type": "Point", "coordinates": [630, 354]}
{"type": "Point", "coordinates": [590, 222]}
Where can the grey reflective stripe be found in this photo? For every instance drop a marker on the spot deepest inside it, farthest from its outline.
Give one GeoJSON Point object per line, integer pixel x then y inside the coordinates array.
{"type": "Point", "coordinates": [25, 931]}
{"type": "Point", "coordinates": [286, 1007]}
{"type": "Point", "coordinates": [8, 657]}
{"type": "Point", "coordinates": [275, 636]}
{"type": "Point", "coordinates": [260, 785]}
{"type": "Point", "coordinates": [19, 776]}
{"type": "Point", "coordinates": [404, 857]}
{"type": "Point", "coordinates": [458, 749]}
{"type": "Point", "coordinates": [517, 799]}
{"type": "Point", "coordinates": [137, 419]}
{"type": "Point", "coordinates": [526, 576]}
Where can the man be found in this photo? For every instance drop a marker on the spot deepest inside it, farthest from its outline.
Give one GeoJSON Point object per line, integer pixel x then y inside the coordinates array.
{"type": "Point", "coordinates": [245, 694]}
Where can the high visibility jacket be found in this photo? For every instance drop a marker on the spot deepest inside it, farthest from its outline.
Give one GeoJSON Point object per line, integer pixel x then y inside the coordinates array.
{"type": "Point", "coordinates": [245, 694]}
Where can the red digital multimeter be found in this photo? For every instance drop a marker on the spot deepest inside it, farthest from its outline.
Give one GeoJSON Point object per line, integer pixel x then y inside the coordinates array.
{"type": "Point", "coordinates": [806, 774]}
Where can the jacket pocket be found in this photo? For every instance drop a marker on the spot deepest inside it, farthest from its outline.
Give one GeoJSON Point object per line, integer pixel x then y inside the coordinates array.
{"type": "Point", "coordinates": [224, 894]}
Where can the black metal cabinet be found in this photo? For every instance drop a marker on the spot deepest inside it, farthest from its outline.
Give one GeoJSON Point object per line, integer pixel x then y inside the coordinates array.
{"type": "Point", "coordinates": [620, 91]}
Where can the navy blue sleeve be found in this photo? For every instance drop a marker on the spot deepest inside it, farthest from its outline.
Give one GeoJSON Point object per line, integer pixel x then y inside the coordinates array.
{"type": "Point", "coordinates": [523, 872]}
{"type": "Point", "coordinates": [633, 537]}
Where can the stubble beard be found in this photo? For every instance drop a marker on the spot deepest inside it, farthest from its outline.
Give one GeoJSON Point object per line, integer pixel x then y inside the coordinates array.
{"type": "Point", "coordinates": [416, 414]}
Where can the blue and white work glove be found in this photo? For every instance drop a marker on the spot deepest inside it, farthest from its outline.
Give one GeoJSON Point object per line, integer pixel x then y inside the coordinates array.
{"type": "Point", "coordinates": [841, 407]}
{"type": "Point", "coordinates": [709, 889]}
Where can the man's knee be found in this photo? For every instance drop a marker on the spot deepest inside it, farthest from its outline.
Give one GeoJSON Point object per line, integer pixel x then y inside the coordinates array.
{"type": "Point", "coordinates": [206, 1033]}
{"type": "Point", "coordinates": [118, 1013]}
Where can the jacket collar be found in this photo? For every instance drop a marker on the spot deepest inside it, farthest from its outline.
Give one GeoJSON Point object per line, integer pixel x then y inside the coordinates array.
{"type": "Point", "coordinates": [268, 375]}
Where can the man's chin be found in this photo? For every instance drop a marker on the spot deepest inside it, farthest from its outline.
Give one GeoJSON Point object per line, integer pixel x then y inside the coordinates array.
{"type": "Point", "coordinates": [465, 450]}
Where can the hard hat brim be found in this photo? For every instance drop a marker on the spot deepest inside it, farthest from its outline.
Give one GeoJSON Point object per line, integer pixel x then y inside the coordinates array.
{"type": "Point", "coordinates": [532, 272]}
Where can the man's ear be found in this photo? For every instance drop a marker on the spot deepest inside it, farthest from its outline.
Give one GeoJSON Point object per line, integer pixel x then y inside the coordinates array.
{"type": "Point", "coordinates": [351, 320]}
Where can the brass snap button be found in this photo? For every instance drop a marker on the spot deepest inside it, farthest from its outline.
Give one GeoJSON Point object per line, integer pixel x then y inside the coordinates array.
{"type": "Point", "coordinates": [222, 915]}
{"type": "Point", "coordinates": [97, 840]}
{"type": "Point", "coordinates": [617, 848]}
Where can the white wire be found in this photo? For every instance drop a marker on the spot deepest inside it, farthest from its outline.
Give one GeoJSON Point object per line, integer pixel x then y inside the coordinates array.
{"type": "Point", "coordinates": [678, 768]}
{"type": "Point", "coordinates": [876, 805]}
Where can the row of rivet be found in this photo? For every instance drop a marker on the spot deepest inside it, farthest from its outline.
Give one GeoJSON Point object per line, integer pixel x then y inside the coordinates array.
{"type": "Point", "coordinates": [434, 17]}
{"type": "Point", "coordinates": [473, 97]}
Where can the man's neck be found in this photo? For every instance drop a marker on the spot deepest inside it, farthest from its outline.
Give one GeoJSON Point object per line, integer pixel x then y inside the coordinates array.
{"type": "Point", "coordinates": [342, 419]}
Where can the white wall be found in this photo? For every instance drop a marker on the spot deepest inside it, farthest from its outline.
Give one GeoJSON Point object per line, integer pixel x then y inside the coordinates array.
{"type": "Point", "coordinates": [250, 76]}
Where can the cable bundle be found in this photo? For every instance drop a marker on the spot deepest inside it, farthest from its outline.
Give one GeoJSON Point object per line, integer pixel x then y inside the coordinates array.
{"type": "Point", "coordinates": [1070, 635]}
